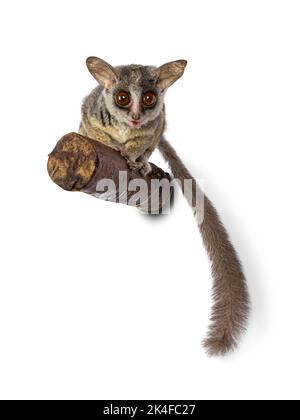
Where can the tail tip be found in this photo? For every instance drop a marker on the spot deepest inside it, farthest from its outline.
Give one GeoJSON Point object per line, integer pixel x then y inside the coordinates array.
{"type": "Point", "coordinates": [219, 346]}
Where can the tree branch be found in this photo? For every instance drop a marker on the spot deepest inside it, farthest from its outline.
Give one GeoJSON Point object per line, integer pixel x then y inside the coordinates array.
{"type": "Point", "coordinates": [78, 163]}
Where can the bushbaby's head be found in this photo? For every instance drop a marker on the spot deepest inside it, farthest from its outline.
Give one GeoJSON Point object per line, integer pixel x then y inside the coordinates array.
{"type": "Point", "coordinates": [134, 94]}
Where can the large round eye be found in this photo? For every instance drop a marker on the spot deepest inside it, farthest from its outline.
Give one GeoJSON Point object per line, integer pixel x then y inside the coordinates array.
{"type": "Point", "coordinates": [149, 99]}
{"type": "Point", "coordinates": [122, 99]}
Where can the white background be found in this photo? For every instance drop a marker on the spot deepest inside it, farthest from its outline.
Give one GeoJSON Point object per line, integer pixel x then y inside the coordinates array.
{"type": "Point", "coordinates": [97, 301]}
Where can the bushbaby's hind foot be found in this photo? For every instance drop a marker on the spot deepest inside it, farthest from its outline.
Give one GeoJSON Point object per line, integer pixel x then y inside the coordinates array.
{"type": "Point", "coordinates": [146, 169]}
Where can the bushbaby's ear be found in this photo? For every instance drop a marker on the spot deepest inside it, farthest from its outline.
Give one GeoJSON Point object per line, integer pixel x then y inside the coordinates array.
{"type": "Point", "coordinates": [103, 72]}
{"type": "Point", "coordinates": [169, 73]}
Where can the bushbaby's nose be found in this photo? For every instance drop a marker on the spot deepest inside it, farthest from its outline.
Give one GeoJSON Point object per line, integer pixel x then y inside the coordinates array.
{"type": "Point", "coordinates": [135, 116]}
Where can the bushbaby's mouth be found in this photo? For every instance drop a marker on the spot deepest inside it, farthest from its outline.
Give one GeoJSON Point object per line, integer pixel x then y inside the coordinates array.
{"type": "Point", "coordinates": [135, 123]}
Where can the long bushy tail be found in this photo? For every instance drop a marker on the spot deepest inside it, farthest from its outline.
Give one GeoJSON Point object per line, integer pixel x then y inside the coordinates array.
{"type": "Point", "coordinates": [230, 294]}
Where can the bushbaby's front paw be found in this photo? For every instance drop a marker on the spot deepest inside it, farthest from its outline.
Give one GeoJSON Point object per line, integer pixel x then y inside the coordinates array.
{"type": "Point", "coordinates": [146, 169]}
{"type": "Point", "coordinates": [134, 165]}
